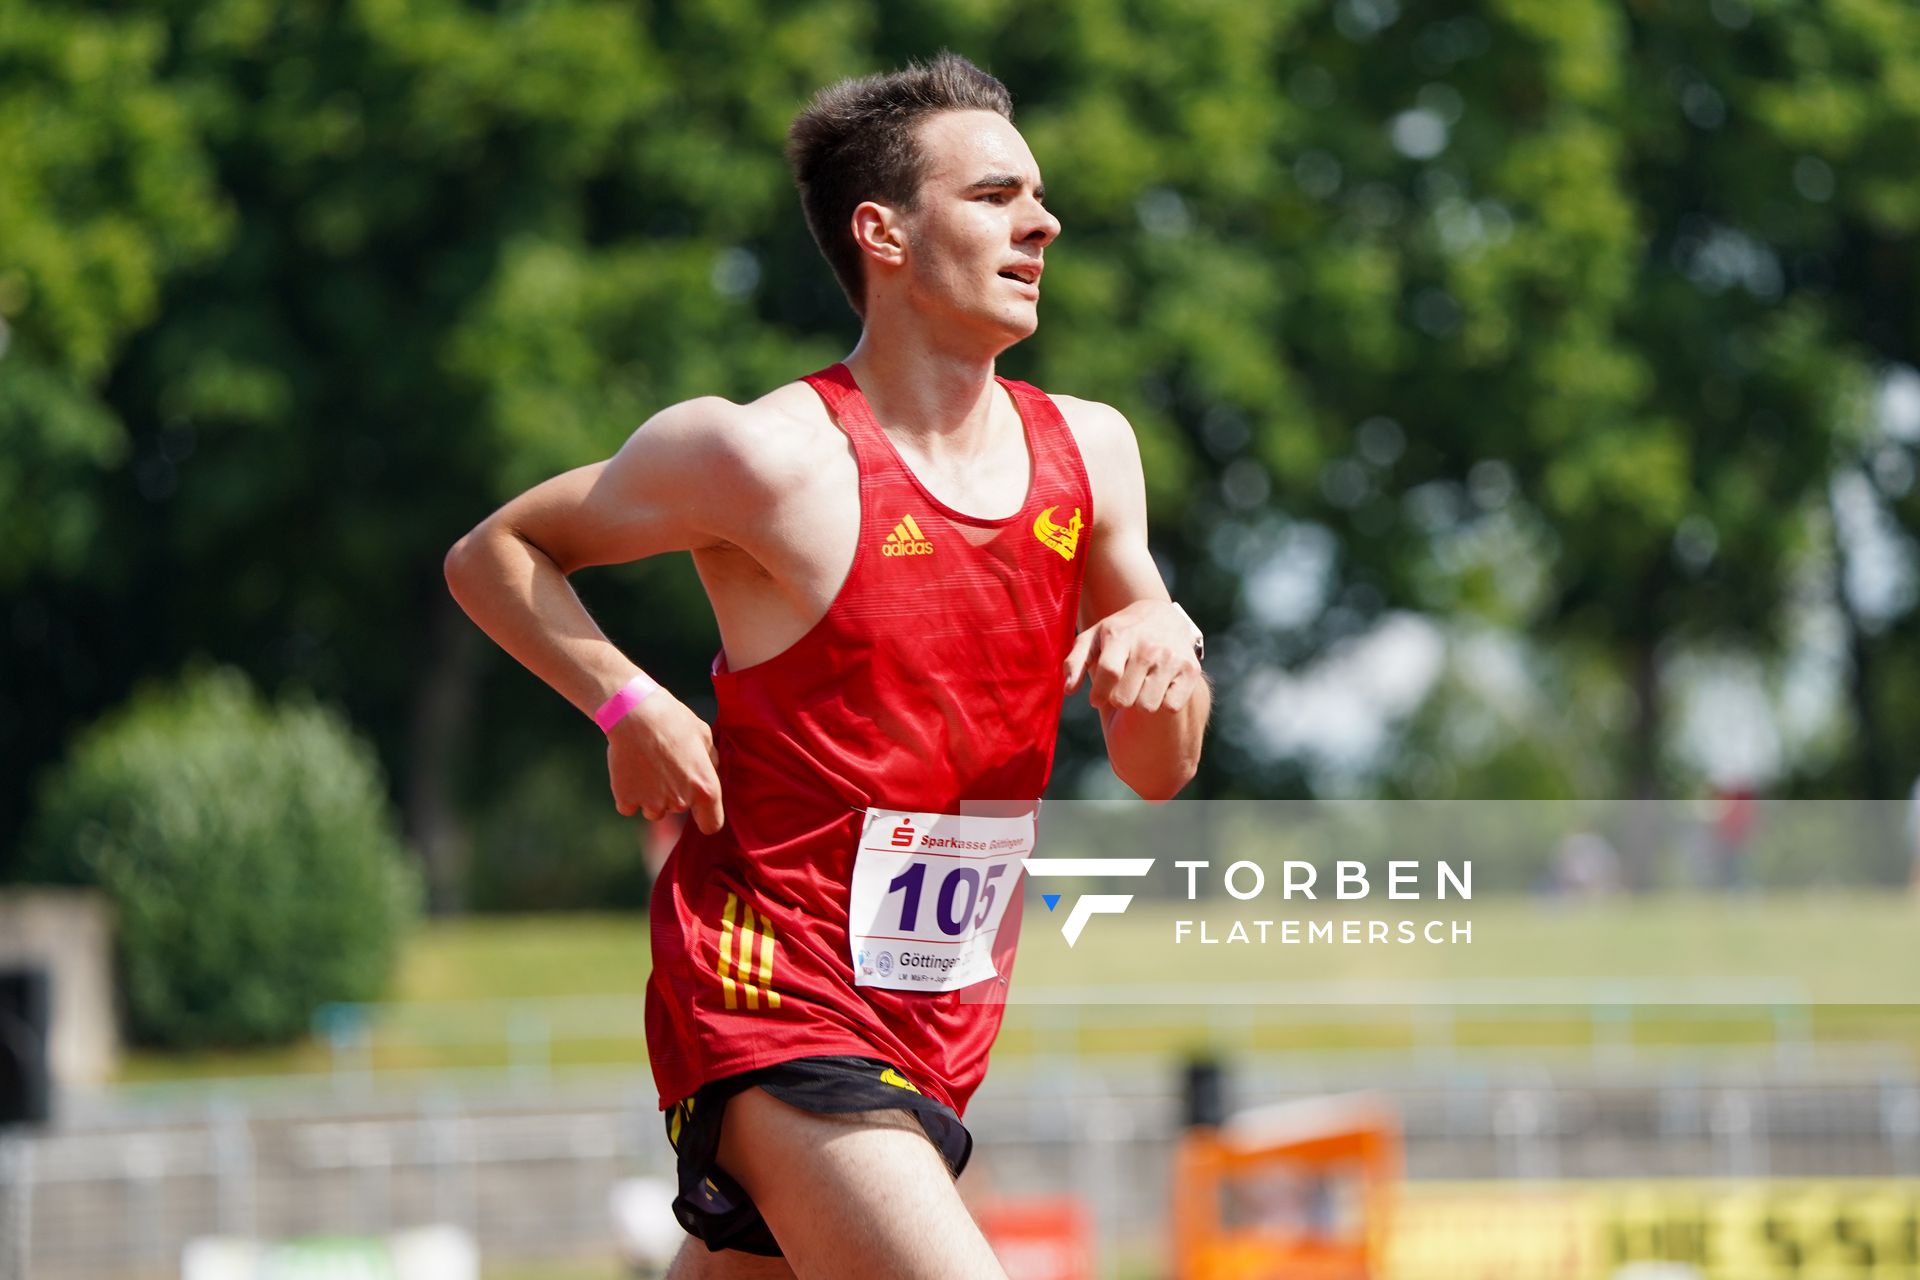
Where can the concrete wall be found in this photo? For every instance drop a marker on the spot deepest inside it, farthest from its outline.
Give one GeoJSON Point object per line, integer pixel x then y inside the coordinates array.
{"type": "Point", "coordinates": [70, 933]}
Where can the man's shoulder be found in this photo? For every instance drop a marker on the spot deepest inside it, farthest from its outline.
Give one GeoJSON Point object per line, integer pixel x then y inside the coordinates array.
{"type": "Point", "coordinates": [782, 435]}
{"type": "Point", "coordinates": [789, 412]}
{"type": "Point", "coordinates": [1108, 449]}
{"type": "Point", "coordinates": [1098, 428]}
{"type": "Point", "coordinates": [795, 409]}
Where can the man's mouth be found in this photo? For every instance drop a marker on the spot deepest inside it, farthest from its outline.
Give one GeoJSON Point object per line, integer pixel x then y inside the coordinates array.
{"type": "Point", "coordinates": [1025, 273]}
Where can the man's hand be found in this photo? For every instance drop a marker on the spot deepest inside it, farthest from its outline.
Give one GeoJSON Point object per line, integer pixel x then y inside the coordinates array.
{"type": "Point", "coordinates": [1141, 657]}
{"type": "Point", "coordinates": [661, 760]}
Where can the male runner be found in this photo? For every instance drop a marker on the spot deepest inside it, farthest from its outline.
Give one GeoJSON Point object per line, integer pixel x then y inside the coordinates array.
{"type": "Point", "coordinates": [898, 551]}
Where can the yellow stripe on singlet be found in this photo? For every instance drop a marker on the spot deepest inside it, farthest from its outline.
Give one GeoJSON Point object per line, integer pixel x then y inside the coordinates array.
{"type": "Point", "coordinates": [766, 962]}
{"type": "Point", "coordinates": [754, 928]}
{"type": "Point", "coordinates": [744, 964]}
{"type": "Point", "coordinates": [726, 949]}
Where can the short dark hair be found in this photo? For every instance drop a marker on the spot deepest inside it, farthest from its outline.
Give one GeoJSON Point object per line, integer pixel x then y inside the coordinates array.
{"type": "Point", "coordinates": [858, 140]}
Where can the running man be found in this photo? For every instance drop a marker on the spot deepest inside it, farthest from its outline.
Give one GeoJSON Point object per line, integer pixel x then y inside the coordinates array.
{"type": "Point", "coordinates": [911, 562]}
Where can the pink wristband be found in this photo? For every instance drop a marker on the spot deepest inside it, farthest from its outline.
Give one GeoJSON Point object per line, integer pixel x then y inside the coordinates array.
{"type": "Point", "coordinates": [625, 699]}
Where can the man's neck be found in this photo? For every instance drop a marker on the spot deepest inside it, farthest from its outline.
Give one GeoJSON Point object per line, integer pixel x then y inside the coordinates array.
{"type": "Point", "coordinates": [937, 395]}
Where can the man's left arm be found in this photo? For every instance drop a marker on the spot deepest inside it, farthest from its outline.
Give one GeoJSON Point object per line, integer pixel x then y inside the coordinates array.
{"type": "Point", "coordinates": [1137, 645]}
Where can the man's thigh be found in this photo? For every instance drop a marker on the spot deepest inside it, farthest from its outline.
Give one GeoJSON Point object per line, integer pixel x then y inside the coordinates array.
{"type": "Point", "coordinates": [696, 1262]}
{"type": "Point", "coordinates": [853, 1195]}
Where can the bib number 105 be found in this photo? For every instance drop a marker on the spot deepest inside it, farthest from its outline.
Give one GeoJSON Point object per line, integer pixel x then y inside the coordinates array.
{"type": "Point", "coordinates": [929, 894]}
{"type": "Point", "coordinates": [962, 903]}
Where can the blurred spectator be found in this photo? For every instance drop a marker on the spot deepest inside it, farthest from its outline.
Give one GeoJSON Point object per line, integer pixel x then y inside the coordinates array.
{"type": "Point", "coordinates": [1735, 816]}
{"type": "Point", "coordinates": [1586, 865]}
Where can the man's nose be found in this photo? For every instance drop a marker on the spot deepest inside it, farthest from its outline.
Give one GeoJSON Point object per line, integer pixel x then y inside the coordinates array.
{"type": "Point", "coordinates": [1044, 227]}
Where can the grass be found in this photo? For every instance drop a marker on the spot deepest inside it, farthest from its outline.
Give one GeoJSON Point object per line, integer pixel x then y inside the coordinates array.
{"type": "Point", "coordinates": [493, 957]}
{"type": "Point", "coordinates": [480, 958]}
{"type": "Point", "coordinates": [1854, 957]}
{"type": "Point", "coordinates": [1835, 949]}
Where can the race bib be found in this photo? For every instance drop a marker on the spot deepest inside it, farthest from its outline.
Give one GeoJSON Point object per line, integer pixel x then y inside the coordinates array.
{"type": "Point", "coordinates": [929, 892]}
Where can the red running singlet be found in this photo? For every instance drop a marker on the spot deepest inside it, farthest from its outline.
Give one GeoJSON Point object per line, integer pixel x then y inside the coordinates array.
{"type": "Point", "coordinates": [935, 678]}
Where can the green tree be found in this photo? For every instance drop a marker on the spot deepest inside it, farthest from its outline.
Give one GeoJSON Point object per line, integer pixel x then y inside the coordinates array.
{"type": "Point", "coordinates": [1543, 315]}
{"type": "Point", "coordinates": [107, 191]}
{"type": "Point", "coordinates": [1833, 88]}
{"type": "Point", "coordinates": [470, 248]}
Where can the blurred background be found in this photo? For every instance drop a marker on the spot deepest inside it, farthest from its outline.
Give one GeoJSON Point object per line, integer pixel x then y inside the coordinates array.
{"type": "Point", "coordinates": [1529, 403]}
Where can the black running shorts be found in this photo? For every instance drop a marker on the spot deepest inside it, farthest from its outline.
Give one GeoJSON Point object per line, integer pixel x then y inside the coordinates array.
{"type": "Point", "coordinates": [714, 1209]}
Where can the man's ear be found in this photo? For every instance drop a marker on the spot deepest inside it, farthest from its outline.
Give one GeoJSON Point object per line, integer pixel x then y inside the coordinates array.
{"type": "Point", "coordinates": [879, 234]}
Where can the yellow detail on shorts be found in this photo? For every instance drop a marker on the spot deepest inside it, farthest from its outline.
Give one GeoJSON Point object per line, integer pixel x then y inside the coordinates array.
{"type": "Point", "coordinates": [675, 1123]}
{"type": "Point", "coordinates": [1064, 538]}
{"type": "Point", "coordinates": [736, 960]}
{"type": "Point", "coordinates": [898, 1081]}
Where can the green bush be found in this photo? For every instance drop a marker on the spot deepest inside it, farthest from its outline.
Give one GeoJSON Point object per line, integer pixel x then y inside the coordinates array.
{"type": "Point", "coordinates": [250, 852]}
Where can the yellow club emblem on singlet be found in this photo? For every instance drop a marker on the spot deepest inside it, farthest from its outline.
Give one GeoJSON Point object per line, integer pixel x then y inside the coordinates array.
{"type": "Point", "coordinates": [1064, 538]}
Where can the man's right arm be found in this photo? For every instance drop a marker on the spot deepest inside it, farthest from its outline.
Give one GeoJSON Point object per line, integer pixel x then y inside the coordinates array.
{"type": "Point", "coordinates": [679, 483]}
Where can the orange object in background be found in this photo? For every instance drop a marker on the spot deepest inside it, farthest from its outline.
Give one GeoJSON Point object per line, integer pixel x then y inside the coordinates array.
{"type": "Point", "coordinates": [1299, 1191]}
{"type": "Point", "coordinates": [1040, 1238]}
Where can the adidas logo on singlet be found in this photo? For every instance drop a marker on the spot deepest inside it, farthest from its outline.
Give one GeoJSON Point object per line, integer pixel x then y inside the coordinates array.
{"type": "Point", "coordinates": [906, 540]}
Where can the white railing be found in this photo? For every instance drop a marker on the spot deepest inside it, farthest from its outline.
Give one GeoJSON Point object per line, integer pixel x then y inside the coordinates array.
{"type": "Point", "coordinates": [1435, 1021]}
{"type": "Point", "coordinates": [119, 1185]}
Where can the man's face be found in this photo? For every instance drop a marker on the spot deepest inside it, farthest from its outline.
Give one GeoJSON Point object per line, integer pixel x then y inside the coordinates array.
{"type": "Point", "coordinates": [978, 227]}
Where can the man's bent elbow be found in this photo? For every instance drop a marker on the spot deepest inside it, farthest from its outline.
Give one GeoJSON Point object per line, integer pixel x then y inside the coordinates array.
{"type": "Point", "coordinates": [1158, 786]}
{"type": "Point", "coordinates": [466, 564]}
{"type": "Point", "coordinates": [458, 564]}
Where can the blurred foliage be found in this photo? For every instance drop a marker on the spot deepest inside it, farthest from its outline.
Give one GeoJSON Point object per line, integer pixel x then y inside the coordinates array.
{"type": "Point", "coordinates": [107, 193]}
{"type": "Point", "coordinates": [1553, 319]}
{"type": "Point", "coordinates": [250, 855]}
{"type": "Point", "coordinates": [548, 840]}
